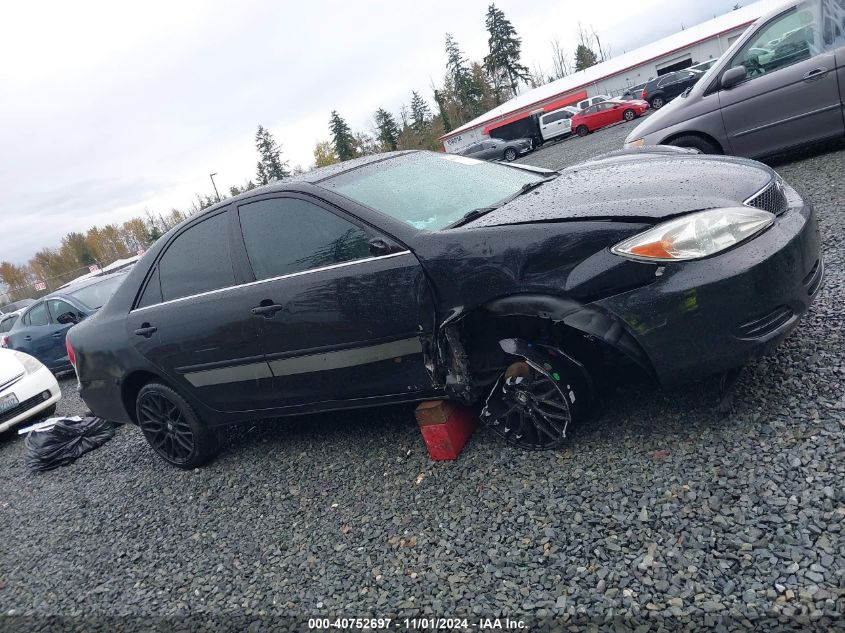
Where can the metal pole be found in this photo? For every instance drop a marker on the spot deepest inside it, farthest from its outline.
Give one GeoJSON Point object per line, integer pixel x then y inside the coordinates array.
{"type": "Point", "coordinates": [214, 185]}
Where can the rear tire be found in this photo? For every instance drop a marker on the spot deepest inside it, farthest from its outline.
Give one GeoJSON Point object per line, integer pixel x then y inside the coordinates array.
{"type": "Point", "coordinates": [629, 115]}
{"type": "Point", "coordinates": [700, 143]}
{"type": "Point", "coordinates": [657, 102]}
{"type": "Point", "coordinates": [172, 427]}
{"type": "Point", "coordinates": [510, 154]}
{"type": "Point", "coordinates": [582, 130]}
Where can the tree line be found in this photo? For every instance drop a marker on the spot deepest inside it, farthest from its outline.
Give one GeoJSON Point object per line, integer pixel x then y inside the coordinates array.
{"type": "Point", "coordinates": [468, 89]}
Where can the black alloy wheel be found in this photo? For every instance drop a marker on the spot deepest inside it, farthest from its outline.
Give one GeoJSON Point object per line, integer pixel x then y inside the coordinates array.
{"type": "Point", "coordinates": [629, 115]}
{"type": "Point", "coordinates": [529, 409]}
{"type": "Point", "coordinates": [510, 154]}
{"type": "Point", "coordinates": [657, 103]}
{"type": "Point", "coordinates": [172, 428]}
{"type": "Point", "coordinates": [582, 130]}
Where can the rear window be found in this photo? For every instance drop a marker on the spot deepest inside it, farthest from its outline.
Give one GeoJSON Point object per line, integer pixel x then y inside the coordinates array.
{"type": "Point", "coordinates": [198, 260]}
{"type": "Point", "coordinates": [7, 323]}
{"type": "Point", "coordinates": [95, 296]}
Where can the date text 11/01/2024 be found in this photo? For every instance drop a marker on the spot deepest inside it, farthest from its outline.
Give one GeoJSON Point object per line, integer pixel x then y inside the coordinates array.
{"type": "Point", "coordinates": [425, 624]}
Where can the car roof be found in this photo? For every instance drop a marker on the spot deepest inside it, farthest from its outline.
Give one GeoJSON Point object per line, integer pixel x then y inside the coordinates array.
{"type": "Point", "coordinates": [84, 283]}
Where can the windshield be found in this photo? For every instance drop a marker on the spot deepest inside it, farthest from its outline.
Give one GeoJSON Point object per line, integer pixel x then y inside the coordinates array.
{"type": "Point", "coordinates": [96, 295]}
{"type": "Point", "coordinates": [430, 191]}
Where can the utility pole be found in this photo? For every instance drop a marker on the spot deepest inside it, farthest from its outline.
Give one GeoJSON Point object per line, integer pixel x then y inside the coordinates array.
{"type": "Point", "coordinates": [214, 185]}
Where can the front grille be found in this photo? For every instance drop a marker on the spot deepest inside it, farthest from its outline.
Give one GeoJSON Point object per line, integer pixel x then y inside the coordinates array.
{"type": "Point", "coordinates": [26, 405]}
{"type": "Point", "coordinates": [766, 324]}
{"type": "Point", "coordinates": [771, 199]}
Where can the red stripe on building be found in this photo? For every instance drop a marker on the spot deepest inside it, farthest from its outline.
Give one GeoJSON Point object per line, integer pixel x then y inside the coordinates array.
{"type": "Point", "coordinates": [554, 105]}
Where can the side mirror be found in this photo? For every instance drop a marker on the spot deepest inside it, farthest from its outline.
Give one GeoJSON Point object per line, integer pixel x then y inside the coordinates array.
{"type": "Point", "coordinates": [68, 318]}
{"type": "Point", "coordinates": [732, 77]}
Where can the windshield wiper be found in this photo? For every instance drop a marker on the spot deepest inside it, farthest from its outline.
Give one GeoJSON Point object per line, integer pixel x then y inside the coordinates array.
{"type": "Point", "coordinates": [469, 216]}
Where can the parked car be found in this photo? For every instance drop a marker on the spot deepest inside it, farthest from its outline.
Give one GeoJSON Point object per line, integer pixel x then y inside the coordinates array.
{"type": "Point", "coordinates": [556, 124]}
{"type": "Point", "coordinates": [634, 92]}
{"type": "Point", "coordinates": [16, 306]}
{"type": "Point", "coordinates": [411, 276]}
{"type": "Point", "coordinates": [586, 103]}
{"type": "Point", "coordinates": [607, 113]}
{"type": "Point", "coordinates": [660, 91]}
{"type": "Point", "coordinates": [40, 331]}
{"type": "Point", "coordinates": [498, 149]}
{"type": "Point", "coordinates": [7, 320]}
{"type": "Point", "coordinates": [27, 389]}
{"type": "Point", "coordinates": [756, 104]}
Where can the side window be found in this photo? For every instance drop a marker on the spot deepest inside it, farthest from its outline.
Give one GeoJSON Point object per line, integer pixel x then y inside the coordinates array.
{"type": "Point", "coordinates": [667, 79]}
{"type": "Point", "coordinates": [37, 315]}
{"type": "Point", "coordinates": [198, 260]}
{"type": "Point", "coordinates": [788, 39]}
{"type": "Point", "coordinates": [472, 149]}
{"type": "Point", "coordinates": [152, 291]}
{"type": "Point", "coordinates": [58, 307]}
{"type": "Point", "coordinates": [598, 99]}
{"type": "Point", "coordinates": [289, 235]}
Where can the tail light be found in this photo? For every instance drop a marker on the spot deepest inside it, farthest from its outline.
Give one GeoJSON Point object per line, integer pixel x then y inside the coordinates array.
{"type": "Point", "coordinates": [4, 341]}
{"type": "Point", "coordinates": [70, 353]}
{"type": "Point", "coordinates": [645, 94]}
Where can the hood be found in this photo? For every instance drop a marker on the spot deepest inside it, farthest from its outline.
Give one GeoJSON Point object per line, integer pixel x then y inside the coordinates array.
{"type": "Point", "coordinates": [663, 118]}
{"type": "Point", "coordinates": [633, 184]}
{"type": "Point", "coordinates": [10, 366]}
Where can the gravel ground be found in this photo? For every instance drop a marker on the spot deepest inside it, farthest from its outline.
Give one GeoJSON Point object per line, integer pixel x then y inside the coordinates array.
{"type": "Point", "coordinates": [660, 515]}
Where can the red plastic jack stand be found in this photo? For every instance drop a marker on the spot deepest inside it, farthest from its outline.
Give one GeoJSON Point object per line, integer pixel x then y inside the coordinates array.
{"type": "Point", "coordinates": [445, 427]}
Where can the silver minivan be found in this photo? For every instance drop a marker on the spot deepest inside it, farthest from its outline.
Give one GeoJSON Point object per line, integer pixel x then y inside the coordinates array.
{"type": "Point", "coordinates": [779, 86]}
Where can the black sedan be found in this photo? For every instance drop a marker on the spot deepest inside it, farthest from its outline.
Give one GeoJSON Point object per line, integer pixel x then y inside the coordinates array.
{"type": "Point", "coordinates": [411, 276]}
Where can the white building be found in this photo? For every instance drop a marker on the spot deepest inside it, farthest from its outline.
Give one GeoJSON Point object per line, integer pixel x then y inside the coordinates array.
{"type": "Point", "coordinates": [694, 45]}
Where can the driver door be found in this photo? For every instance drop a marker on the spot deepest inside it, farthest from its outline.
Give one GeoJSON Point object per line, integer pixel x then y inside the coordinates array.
{"type": "Point", "coordinates": [790, 95]}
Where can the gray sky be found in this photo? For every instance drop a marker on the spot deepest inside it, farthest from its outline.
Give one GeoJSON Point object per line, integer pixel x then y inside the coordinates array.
{"type": "Point", "coordinates": [108, 108]}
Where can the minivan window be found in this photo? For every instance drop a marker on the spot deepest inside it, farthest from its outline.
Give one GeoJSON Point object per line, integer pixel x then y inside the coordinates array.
{"type": "Point", "coordinates": [198, 260]}
{"type": "Point", "coordinates": [289, 235]}
{"type": "Point", "coordinates": [787, 40]}
{"type": "Point", "coordinates": [37, 315]}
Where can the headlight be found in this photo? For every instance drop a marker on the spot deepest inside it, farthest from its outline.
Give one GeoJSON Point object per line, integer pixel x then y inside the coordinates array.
{"type": "Point", "coordinates": [637, 143]}
{"type": "Point", "coordinates": [696, 235]}
{"type": "Point", "coordinates": [30, 364]}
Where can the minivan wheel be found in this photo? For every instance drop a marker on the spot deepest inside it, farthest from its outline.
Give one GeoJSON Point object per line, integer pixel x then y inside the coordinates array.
{"type": "Point", "coordinates": [696, 142]}
{"type": "Point", "coordinates": [629, 115]}
{"type": "Point", "coordinates": [582, 130]}
{"type": "Point", "coordinates": [172, 428]}
{"type": "Point", "coordinates": [510, 154]}
{"type": "Point", "coordinates": [657, 103]}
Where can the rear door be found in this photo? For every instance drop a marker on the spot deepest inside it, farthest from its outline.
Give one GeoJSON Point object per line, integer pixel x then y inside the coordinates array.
{"type": "Point", "coordinates": [193, 319]}
{"type": "Point", "coordinates": [555, 124]}
{"type": "Point", "coordinates": [791, 94]}
{"type": "Point", "coordinates": [33, 334]}
{"type": "Point", "coordinates": [346, 307]}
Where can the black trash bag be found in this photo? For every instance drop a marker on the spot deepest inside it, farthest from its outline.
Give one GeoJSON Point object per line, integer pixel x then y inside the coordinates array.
{"type": "Point", "coordinates": [65, 442]}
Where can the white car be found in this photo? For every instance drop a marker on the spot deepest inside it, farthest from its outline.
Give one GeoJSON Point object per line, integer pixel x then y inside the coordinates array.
{"type": "Point", "coordinates": [557, 123]}
{"type": "Point", "coordinates": [27, 389]}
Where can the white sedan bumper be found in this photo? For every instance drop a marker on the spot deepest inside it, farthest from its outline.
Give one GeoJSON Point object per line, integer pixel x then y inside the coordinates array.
{"type": "Point", "coordinates": [34, 392]}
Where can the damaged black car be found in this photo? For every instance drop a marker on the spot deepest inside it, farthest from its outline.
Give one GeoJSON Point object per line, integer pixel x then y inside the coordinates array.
{"type": "Point", "coordinates": [412, 276]}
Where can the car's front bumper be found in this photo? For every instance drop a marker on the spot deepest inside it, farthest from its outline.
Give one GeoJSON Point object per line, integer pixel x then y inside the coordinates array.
{"type": "Point", "coordinates": [28, 391]}
{"type": "Point", "coordinates": [707, 316]}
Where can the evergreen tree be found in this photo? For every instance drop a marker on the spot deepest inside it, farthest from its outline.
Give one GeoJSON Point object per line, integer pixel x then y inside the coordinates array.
{"type": "Point", "coordinates": [443, 110]}
{"type": "Point", "coordinates": [420, 114]}
{"type": "Point", "coordinates": [271, 167]}
{"type": "Point", "coordinates": [387, 128]}
{"type": "Point", "coordinates": [342, 139]}
{"type": "Point", "coordinates": [502, 62]}
{"type": "Point", "coordinates": [584, 57]}
{"type": "Point", "coordinates": [466, 91]}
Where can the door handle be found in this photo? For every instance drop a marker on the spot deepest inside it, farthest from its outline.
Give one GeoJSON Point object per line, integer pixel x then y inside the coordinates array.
{"type": "Point", "coordinates": [267, 309]}
{"type": "Point", "coordinates": [816, 73]}
{"type": "Point", "coordinates": [27, 338]}
{"type": "Point", "coordinates": [58, 334]}
{"type": "Point", "coordinates": [146, 330]}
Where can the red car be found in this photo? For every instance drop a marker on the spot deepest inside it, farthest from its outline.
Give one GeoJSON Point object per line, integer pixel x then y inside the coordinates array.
{"type": "Point", "coordinates": [607, 113]}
